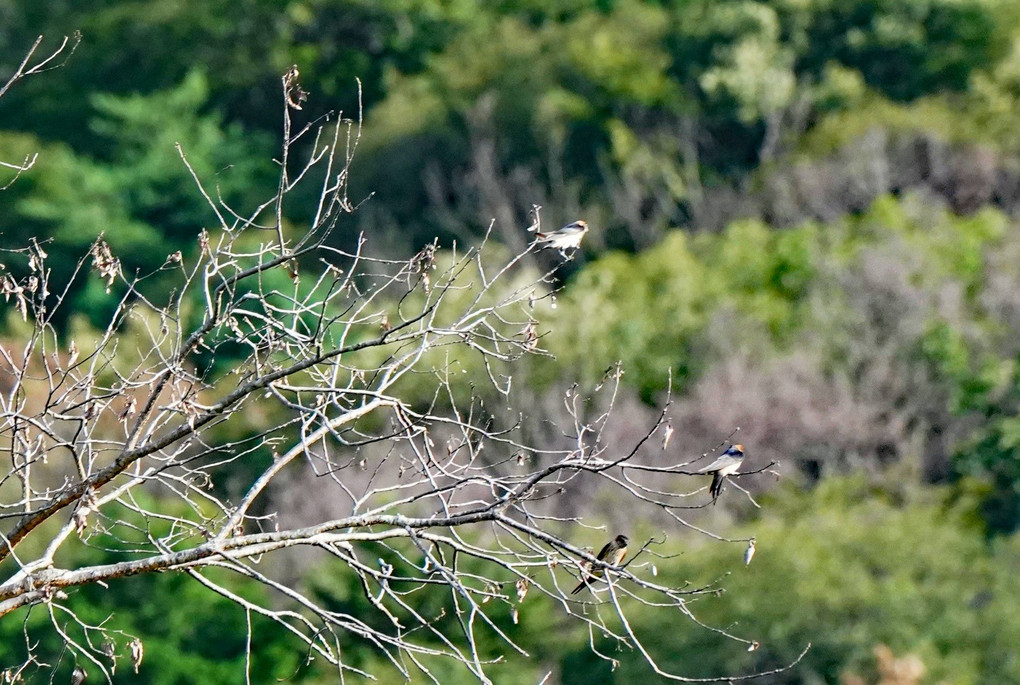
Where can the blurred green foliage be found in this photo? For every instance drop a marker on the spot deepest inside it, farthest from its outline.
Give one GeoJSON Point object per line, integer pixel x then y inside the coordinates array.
{"type": "Point", "coordinates": [138, 194]}
{"type": "Point", "coordinates": [863, 563]}
{"type": "Point", "coordinates": [596, 105]}
{"type": "Point", "coordinates": [654, 309]}
{"type": "Point", "coordinates": [189, 632]}
{"type": "Point", "coordinates": [886, 562]}
{"type": "Point", "coordinates": [874, 563]}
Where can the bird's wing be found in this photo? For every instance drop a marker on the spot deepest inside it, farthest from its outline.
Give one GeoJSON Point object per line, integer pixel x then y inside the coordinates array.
{"type": "Point", "coordinates": [720, 462]}
{"type": "Point", "coordinates": [605, 551]}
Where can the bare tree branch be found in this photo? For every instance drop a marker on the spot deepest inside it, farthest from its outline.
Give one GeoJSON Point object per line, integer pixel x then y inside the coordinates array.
{"type": "Point", "coordinates": [30, 66]}
{"type": "Point", "coordinates": [168, 440]}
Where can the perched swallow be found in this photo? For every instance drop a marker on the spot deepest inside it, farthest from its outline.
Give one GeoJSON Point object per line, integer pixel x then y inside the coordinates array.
{"type": "Point", "coordinates": [726, 464]}
{"type": "Point", "coordinates": [749, 552]}
{"type": "Point", "coordinates": [613, 553]}
{"type": "Point", "coordinates": [567, 238]}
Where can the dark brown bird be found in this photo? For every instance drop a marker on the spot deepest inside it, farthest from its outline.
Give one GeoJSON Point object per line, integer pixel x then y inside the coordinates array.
{"type": "Point", "coordinates": [726, 464]}
{"type": "Point", "coordinates": [613, 553]}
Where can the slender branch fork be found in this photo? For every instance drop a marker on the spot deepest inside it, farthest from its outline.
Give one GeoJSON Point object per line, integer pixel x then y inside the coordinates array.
{"type": "Point", "coordinates": [288, 357]}
{"type": "Point", "coordinates": [30, 66]}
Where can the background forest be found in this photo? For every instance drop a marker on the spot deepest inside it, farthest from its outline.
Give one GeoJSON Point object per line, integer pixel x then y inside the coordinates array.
{"type": "Point", "coordinates": [804, 217]}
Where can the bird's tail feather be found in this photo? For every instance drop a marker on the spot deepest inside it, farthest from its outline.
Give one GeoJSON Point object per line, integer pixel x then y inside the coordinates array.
{"type": "Point", "coordinates": [716, 488]}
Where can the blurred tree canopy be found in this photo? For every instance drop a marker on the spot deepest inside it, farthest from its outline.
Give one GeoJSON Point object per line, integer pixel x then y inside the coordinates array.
{"type": "Point", "coordinates": [642, 114]}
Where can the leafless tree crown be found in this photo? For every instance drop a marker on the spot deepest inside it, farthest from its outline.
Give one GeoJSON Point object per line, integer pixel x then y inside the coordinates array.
{"type": "Point", "coordinates": [273, 343]}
